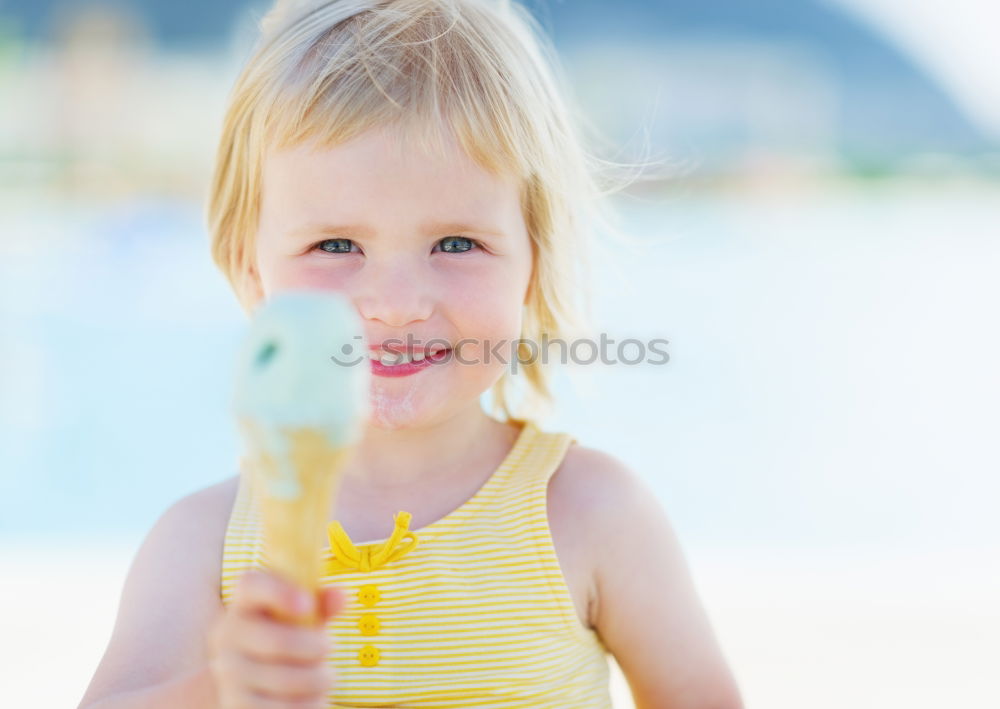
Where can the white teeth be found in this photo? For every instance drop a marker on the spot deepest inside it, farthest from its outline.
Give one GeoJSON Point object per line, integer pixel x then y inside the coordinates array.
{"type": "Point", "coordinates": [390, 359]}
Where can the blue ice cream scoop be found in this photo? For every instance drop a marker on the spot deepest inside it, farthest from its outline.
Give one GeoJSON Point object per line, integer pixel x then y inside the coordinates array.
{"type": "Point", "coordinates": [303, 365]}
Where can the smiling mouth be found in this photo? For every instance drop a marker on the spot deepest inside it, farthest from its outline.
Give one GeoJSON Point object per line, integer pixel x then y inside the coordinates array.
{"type": "Point", "coordinates": [390, 358]}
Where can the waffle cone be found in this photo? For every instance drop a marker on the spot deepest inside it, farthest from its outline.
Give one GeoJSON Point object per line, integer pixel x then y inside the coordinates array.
{"type": "Point", "coordinates": [294, 525]}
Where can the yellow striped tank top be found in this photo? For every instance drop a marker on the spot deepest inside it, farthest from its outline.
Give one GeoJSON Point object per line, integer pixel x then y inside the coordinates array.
{"type": "Point", "coordinates": [471, 610]}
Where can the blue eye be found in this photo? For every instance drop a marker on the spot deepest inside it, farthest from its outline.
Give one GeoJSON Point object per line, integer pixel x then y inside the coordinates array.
{"type": "Point", "coordinates": [456, 244]}
{"type": "Point", "coordinates": [449, 245]}
{"type": "Point", "coordinates": [335, 246]}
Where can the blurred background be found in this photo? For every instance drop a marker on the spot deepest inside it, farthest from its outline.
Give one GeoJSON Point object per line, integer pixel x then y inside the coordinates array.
{"type": "Point", "coordinates": [823, 261]}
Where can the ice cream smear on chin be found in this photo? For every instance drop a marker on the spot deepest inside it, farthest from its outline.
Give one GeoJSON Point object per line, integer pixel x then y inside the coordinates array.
{"type": "Point", "coordinates": [298, 370]}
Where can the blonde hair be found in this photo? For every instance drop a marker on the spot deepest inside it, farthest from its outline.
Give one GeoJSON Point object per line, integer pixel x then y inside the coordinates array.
{"type": "Point", "coordinates": [328, 71]}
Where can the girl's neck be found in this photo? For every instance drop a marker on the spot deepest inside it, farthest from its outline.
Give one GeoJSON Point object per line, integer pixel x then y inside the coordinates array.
{"type": "Point", "coordinates": [396, 460]}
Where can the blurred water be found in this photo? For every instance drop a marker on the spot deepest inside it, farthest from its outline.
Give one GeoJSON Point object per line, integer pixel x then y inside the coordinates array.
{"type": "Point", "coordinates": [832, 380]}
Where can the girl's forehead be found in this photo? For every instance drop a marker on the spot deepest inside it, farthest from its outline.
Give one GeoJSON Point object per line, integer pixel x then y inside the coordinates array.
{"type": "Point", "coordinates": [352, 183]}
{"type": "Point", "coordinates": [416, 145]}
{"type": "Point", "coordinates": [386, 158]}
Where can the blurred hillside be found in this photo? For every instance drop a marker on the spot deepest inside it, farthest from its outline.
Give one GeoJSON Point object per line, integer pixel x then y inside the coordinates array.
{"type": "Point", "coordinates": [792, 76]}
{"type": "Point", "coordinates": [114, 96]}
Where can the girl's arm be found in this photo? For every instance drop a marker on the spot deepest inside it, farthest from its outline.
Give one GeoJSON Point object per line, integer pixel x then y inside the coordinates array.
{"type": "Point", "coordinates": [646, 609]}
{"type": "Point", "coordinates": [194, 689]}
{"type": "Point", "coordinates": [157, 653]}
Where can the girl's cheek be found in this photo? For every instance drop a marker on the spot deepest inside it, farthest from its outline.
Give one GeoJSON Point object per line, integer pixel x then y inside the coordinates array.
{"type": "Point", "coordinates": [318, 276]}
{"type": "Point", "coordinates": [489, 284]}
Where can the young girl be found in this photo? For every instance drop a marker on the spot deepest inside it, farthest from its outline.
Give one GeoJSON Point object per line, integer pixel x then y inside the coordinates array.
{"type": "Point", "coordinates": [416, 156]}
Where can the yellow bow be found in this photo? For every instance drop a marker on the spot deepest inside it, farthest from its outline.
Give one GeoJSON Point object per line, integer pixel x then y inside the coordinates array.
{"type": "Point", "coordinates": [369, 556]}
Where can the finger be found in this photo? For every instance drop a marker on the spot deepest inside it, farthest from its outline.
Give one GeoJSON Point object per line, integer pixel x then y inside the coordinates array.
{"type": "Point", "coordinates": [252, 700]}
{"type": "Point", "coordinates": [332, 600]}
{"type": "Point", "coordinates": [269, 640]}
{"type": "Point", "coordinates": [260, 592]}
{"type": "Point", "coordinates": [281, 681]}
{"type": "Point", "coordinates": [241, 682]}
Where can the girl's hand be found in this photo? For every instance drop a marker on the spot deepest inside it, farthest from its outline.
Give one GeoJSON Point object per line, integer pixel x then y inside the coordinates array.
{"type": "Point", "coordinates": [259, 662]}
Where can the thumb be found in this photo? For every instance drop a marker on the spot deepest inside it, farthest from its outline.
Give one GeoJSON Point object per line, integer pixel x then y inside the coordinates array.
{"type": "Point", "coordinates": [332, 600]}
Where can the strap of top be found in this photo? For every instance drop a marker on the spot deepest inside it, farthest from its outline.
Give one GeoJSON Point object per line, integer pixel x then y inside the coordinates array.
{"type": "Point", "coordinates": [543, 456]}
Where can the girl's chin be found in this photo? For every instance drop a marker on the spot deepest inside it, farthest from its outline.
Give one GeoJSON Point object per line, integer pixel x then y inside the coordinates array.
{"type": "Point", "coordinates": [393, 411]}
{"type": "Point", "coordinates": [396, 412]}
{"type": "Point", "coordinates": [420, 401]}
{"type": "Point", "coordinates": [388, 421]}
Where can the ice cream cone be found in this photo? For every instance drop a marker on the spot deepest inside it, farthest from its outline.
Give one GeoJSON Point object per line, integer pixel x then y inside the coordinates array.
{"type": "Point", "coordinates": [293, 524]}
{"type": "Point", "coordinates": [300, 412]}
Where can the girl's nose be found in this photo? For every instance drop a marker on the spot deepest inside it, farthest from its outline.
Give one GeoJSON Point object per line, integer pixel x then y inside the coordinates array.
{"type": "Point", "coordinates": [395, 294]}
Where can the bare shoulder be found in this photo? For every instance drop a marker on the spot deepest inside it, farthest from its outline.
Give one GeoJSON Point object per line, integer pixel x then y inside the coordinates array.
{"type": "Point", "coordinates": [583, 489]}
{"type": "Point", "coordinates": [215, 499]}
{"type": "Point", "coordinates": [644, 604]}
{"type": "Point", "coordinates": [170, 596]}
{"type": "Point", "coordinates": [206, 509]}
{"type": "Point", "coordinates": [589, 480]}
{"type": "Point", "coordinates": [614, 509]}
{"type": "Point", "coordinates": [581, 503]}
{"type": "Point", "coordinates": [191, 531]}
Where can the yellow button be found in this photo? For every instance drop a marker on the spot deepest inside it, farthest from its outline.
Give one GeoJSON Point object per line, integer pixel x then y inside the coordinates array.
{"type": "Point", "coordinates": [368, 595]}
{"type": "Point", "coordinates": [369, 624]}
{"type": "Point", "coordinates": [368, 656]}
